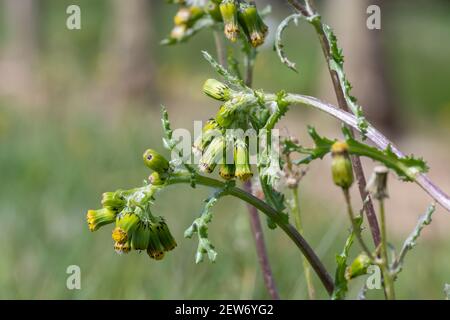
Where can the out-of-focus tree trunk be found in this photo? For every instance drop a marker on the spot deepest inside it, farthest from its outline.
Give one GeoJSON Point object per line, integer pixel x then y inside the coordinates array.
{"type": "Point", "coordinates": [364, 61]}
{"type": "Point", "coordinates": [19, 57]}
{"type": "Point", "coordinates": [131, 61]}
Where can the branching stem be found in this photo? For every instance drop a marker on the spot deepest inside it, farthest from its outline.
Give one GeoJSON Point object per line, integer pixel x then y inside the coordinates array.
{"type": "Point", "coordinates": [270, 212]}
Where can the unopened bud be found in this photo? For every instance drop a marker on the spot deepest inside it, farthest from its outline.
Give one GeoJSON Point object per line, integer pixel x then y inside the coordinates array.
{"type": "Point", "coordinates": [217, 90]}
{"type": "Point", "coordinates": [253, 25]}
{"type": "Point", "coordinates": [226, 115]}
{"type": "Point", "coordinates": [212, 155]}
{"type": "Point", "coordinates": [212, 8]}
{"type": "Point", "coordinates": [99, 218]}
{"type": "Point", "coordinates": [155, 161]}
{"type": "Point", "coordinates": [358, 267]}
{"type": "Point", "coordinates": [241, 160]}
{"type": "Point", "coordinates": [227, 171]}
{"type": "Point", "coordinates": [228, 9]}
{"type": "Point", "coordinates": [341, 166]}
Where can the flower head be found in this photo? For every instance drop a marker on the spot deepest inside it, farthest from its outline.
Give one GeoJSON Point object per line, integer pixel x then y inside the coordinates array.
{"type": "Point", "coordinates": [156, 179]}
{"type": "Point", "coordinates": [122, 233]}
{"type": "Point", "coordinates": [212, 8]}
{"type": "Point", "coordinates": [358, 267]}
{"type": "Point", "coordinates": [212, 155]}
{"type": "Point", "coordinates": [217, 90]}
{"type": "Point", "coordinates": [226, 115]}
{"type": "Point", "coordinates": [101, 217]}
{"type": "Point", "coordinates": [341, 166]}
{"type": "Point", "coordinates": [228, 9]}
{"type": "Point", "coordinates": [155, 161]}
{"type": "Point", "coordinates": [113, 201]}
{"type": "Point", "coordinates": [209, 131]}
{"type": "Point", "coordinates": [241, 160]}
{"type": "Point", "coordinates": [227, 171]}
{"type": "Point", "coordinates": [254, 27]}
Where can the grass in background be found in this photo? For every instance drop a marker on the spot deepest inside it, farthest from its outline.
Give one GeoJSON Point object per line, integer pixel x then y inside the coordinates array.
{"type": "Point", "coordinates": [55, 167]}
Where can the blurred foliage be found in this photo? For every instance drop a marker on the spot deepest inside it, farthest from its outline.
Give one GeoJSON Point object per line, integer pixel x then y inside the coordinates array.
{"type": "Point", "coordinates": [56, 161]}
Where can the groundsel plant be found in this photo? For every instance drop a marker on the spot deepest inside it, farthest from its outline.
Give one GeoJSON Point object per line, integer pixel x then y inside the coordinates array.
{"type": "Point", "coordinates": [241, 142]}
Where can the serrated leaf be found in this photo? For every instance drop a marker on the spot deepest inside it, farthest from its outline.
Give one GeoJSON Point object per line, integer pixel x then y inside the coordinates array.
{"type": "Point", "coordinates": [407, 168]}
{"type": "Point", "coordinates": [322, 147]}
{"type": "Point", "coordinates": [340, 282]}
{"type": "Point", "coordinates": [200, 227]}
{"type": "Point", "coordinates": [227, 75]}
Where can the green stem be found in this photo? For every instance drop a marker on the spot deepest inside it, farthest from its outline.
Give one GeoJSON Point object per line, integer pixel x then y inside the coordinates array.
{"type": "Point", "coordinates": [387, 276]}
{"type": "Point", "coordinates": [356, 228]}
{"type": "Point", "coordinates": [263, 207]}
{"type": "Point", "coordinates": [295, 209]}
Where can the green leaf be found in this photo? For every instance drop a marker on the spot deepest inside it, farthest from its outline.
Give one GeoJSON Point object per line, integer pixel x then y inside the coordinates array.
{"type": "Point", "coordinates": [340, 282]}
{"type": "Point", "coordinates": [278, 40]}
{"type": "Point", "coordinates": [200, 227]}
{"type": "Point", "coordinates": [276, 200]}
{"type": "Point", "coordinates": [171, 144]}
{"type": "Point", "coordinates": [410, 242]}
{"type": "Point", "coordinates": [322, 147]}
{"type": "Point", "coordinates": [406, 168]}
{"type": "Point", "coordinates": [227, 75]}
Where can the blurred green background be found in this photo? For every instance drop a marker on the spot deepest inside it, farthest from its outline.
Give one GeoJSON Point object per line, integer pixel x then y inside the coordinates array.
{"type": "Point", "coordinates": [78, 107]}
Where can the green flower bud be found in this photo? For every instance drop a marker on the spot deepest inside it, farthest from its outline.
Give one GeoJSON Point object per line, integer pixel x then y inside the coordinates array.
{"type": "Point", "coordinates": [226, 115]}
{"type": "Point", "coordinates": [241, 160]}
{"type": "Point", "coordinates": [377, 185]}
{"type": "Point", "coordinates": [155, 249]}
{"type": "Point", "coordinates": [99, 218]}
{"type": "Point", "coordinates": [341, 166]}
{"type": "Point", "coordinates": [227, 171]}
{"type": "Point", "coordinates": [253, 25]}
{"type": "Point", "coordinates": [164, 235]}
{"type": "Point", "coordinates": [228, 9]}
{"type": "Point", "coordinates": [113, 201]}
{"type": "Point", "coordinates": [141, 236]}
{"type": "Point", "coordinates": [358, 267]}
{"type": "Point", "coordinates": [156, 179]}
{"type": "Point", "coordinates": [212, 155]}
{"type": "Point", "coordinates": [155, 161]}
{"type": "Point", "coordinates": [217, 90]}
{"type": "Point", "coordinates": [122, 233]}
{"type": "Point", "coordinates": [209, 131]}
{"type": "Point", "coordinates": [212, 8]}
{"type": "Point", "coordinates": [188, 16]}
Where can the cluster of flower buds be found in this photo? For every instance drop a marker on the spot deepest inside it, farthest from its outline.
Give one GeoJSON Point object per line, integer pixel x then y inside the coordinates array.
{"type": "Point", "coordinates": [240, 15]}
{"type": "Point", "coordinates": [237, 16]}
{"type": "Point", "coordinates": [217, 151]}
{"type": "Point", "coordinates": [158, 164]}
{"type": "Point", "coordinates": [214, 146]}
{"type": "Point", "coordinates": [112, 204]}
{"type": "Point", "coordinates": [132, 233]}
{"type": "Point", "coordinates": [341, 166]}
{"type": "Point", "coordinates": [135, 227]}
